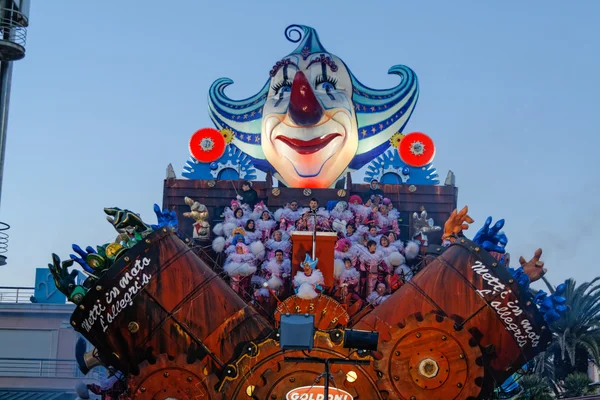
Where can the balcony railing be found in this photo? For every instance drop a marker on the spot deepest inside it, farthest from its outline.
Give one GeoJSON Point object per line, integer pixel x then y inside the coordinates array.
{"type": "Point", "coordinates": [45, 368]}
{"type": "Point", "coordinates": [15, 294]}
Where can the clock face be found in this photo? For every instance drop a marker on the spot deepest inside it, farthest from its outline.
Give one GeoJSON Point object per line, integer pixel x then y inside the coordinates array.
{"type": "Point", "coordinates": [329, 314]}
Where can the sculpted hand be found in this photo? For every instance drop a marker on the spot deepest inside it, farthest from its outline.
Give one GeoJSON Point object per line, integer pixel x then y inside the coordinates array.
{"type": "Point", "coordinates": [165, 218]}
{"type": "Point", "coordinates": [63, 279]}
{"type": "Point", "coordinates": [490, 238]}
{"type": "Point", "coordinates": [126, 221]}
{"type": "Point", "coordinates": [458, 222]}
{"type": "Point", "coordinates": [534, 268]}
{"type": "Point", "coordinates": [82, 259]}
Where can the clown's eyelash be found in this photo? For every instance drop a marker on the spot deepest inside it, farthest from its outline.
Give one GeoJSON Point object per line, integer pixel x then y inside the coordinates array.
{"type": "Point", "coordinates": [325, 78]}
{"type": "Point", "coordinates": [277, 87]}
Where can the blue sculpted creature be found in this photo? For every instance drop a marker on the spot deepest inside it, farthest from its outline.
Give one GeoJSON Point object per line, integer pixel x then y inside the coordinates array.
{"type": "Point", "coordinates": [165, 218]}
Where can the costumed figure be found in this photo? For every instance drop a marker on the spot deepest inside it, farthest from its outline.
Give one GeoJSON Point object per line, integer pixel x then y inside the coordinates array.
{"type": "Point", "coordinates": [238, 235]}
{"type": "Point", "coordinates": [278, 242]}
{"type": "Point", "coordinates": [265, 224]}
{"type": "Point", "coordinates": [371, 262]}
{"type": "Point", "coordinates": [347, 282]}
{"type": "Point", "coordinates": [273, 272]}
{"type": "Point", "coordinates": [403, 271]}
{"type": "Point", "coordinates": [288, 216]}
{"type": "Point", "coordinates": [351, 233]}
{"type": "Point", "coordinates": [341, 212]}
{"type": "Point", "coordinates": [344, 249]}
{"type": "Point", "coordinates": [395, 242]}
{"type": "Point", "coordinates": [386, 222]}
{"type": "Point", "coordinates": [322, 217]}
{"type": "Point", "coordinates": [238, 219]}
{"type": "Point", "coordinates": [240, 266]}
{"type": "Point", "coordinates": [252, 234]}
{"type": "Point", "coordinates": [379, 295]}
{"type": "Point", "coordinates": [308, 281]}
{"type": "Point", "coordinates": [385, 248]}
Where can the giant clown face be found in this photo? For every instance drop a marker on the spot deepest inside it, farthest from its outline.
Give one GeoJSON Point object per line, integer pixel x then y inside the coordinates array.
{"type": "Point", "coordinates": [313, 120]}
{"type": "Point", "coordinates": [309, 131]}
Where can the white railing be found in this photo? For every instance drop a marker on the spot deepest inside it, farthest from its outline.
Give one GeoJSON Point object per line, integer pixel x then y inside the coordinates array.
{"type": "Point", "coordinates": [45, 368]}
{"type": "Point", "coordinates": [15, 294]}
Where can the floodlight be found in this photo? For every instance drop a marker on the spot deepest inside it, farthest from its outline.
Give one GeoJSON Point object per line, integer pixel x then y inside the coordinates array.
{"type": "Point", "coordinates": [297, 331]}
{"type": "Point", "coordinates": [362, 340]}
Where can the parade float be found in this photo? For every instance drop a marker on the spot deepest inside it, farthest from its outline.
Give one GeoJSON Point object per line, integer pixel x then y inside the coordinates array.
{"type": "Point", "coordinates": [200, 304]}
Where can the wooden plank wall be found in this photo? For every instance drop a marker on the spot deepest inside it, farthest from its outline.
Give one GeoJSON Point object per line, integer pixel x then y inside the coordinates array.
{"type": "Point", "coordinates": [439, 201]}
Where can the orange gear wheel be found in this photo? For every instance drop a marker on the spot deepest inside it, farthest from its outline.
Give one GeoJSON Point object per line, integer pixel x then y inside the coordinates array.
{"type": "Point", "coordinates": [262, 373]}
{"type": "Point", "coordinates": [172, 379]}
{"type": "Point", "coordinates": [427, 358]}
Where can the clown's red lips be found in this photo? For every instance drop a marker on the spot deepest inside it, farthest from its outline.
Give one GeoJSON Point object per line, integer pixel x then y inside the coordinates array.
{"type": "Point", "coordinates": [308, 146]}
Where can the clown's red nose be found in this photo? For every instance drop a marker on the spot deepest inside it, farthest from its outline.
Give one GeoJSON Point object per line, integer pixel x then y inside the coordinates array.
{"type": "Point", "coordinates": [305, 109]}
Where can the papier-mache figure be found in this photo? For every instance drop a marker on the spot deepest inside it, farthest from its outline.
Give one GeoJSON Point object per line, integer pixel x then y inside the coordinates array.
{"type": "Point", "coordinates": [240, 266]}
{"type": "Point", "coordinates": [199, 213]}
{"type": "Point", "coordinates": [308, 282]}
{"type": "Point", "coordinates": [422, 225]}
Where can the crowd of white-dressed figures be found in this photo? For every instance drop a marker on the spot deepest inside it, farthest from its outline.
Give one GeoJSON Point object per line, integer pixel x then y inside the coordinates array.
{"type": "Point", "coordinates": [370, 260]}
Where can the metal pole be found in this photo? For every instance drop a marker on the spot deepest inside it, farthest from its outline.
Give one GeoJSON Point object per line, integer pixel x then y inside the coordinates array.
{"type": "Point", "coordinates": [326, 390]}
{"type": "Point", "coordinates": [5, 83]}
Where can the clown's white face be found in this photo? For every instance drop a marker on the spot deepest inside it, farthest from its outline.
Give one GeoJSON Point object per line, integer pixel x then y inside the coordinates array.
{"type": "Point", "coordinates": [309, 129]}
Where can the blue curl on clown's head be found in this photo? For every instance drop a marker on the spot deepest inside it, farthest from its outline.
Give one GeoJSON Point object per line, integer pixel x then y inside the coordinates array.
{"type": "Point", "coordinates": [313, 120]}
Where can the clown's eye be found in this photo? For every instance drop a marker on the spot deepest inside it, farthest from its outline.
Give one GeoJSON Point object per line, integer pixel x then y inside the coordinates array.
{"type": "Point", "coordinates": [282, 87]}
{"type": "Point", "coordinates": [326, 83]}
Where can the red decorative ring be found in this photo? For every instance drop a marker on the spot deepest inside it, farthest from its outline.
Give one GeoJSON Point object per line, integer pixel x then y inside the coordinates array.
{"type": "Point", "coordinates": [416, 149]}
{"type": "Point", "coordinates": [207, 145]}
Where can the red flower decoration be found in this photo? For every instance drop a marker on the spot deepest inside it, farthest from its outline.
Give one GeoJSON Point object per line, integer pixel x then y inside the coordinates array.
{"type": "Point", "coordinates": [207, 145]}
{"type": "Point", "coordinates": [416, 149]}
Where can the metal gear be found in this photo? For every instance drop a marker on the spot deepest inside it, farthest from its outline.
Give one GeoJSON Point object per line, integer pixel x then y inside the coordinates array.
{"type": "Point", "coordinates": [263, 374]}
{"type": "Point", "coordinates": [427, 358]}
{"type": "Point", "coordinates": [207, 144]}
{"type": "Point", "coordinates": [417, 148]}
{"type": "Point", "coordinates": [174, 379]}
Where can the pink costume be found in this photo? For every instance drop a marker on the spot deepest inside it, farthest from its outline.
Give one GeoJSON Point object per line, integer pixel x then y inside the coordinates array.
{"type": "Point", "coordinates": [273, 273]}
{"type": "Point", "coordinates": [287, 218]}
{"type": "Point", "coordinates": [374, 266]}
{"type": "Point", "coordinates": [323, 223]}
{"type": "Point", "coordinates": [239, 266]}
{"type": "Point", "coordinates": [348, 283]}
{"type": "Point", "coordinates": [375, 299]}
{"type": "Point", "coordinates": [273, 245]}
{"type": "Point", "coordinates": [266, 226]}
{"type": "Point", "coordinates": [341, 212]}
{"type": "Point", "coordinates": [340, 254]}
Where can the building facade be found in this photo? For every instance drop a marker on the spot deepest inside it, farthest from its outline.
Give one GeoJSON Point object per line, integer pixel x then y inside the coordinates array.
{"type": "Point", "coordinates": [37, 344]}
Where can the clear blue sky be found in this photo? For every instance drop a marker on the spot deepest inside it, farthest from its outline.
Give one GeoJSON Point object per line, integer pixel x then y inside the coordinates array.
{"type": "Point", "coordinates": [110, 92]}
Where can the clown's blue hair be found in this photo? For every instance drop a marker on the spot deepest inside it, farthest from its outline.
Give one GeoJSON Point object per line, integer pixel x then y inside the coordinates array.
{"type": "Point", "coordinates": [380, 112]}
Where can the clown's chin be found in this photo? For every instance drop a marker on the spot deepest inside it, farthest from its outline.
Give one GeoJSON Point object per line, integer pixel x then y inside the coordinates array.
{"type": "Point", "coordinates": [308, 158]}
